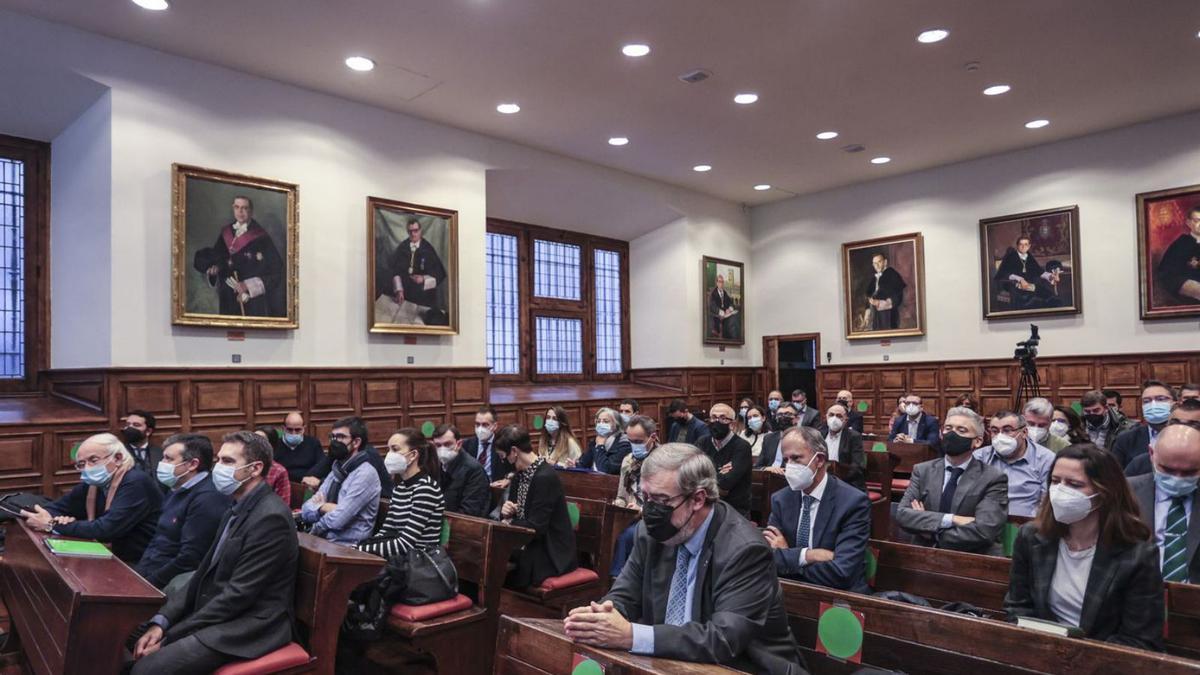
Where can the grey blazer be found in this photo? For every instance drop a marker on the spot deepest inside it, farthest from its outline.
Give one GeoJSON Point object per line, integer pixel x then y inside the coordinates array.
{"type": "Point", "coordinates": [1143, 493]}
{"type": "Point", "coordinates": [740, 619]}
{"type": "Point", "coordinates": [982, 493]}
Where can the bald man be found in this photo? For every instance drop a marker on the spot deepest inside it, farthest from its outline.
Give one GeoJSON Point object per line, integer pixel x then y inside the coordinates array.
{"type": "Point", "coordinates": [1169, 502]}
{"type": "Point", "coordinates": [299, 453]}
{"type": "Point", "coordinates": [854, 419]}
{"type": "Point", "coordinates": [732, 457]}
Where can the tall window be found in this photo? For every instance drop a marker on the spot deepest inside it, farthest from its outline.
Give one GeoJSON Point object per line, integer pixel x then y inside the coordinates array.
{"type": "Point", "coordinates": [24, 187]}
{"type": "Point", "coordinates": [564, 316]}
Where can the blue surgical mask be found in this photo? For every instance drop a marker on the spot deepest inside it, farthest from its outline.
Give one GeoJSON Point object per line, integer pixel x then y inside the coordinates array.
{"type": "Point", "coordinates": [552, 426]}
{"type": "Point", "coordinates": [1156, 413]}
{"type": "Point", "coordinates": [639, 450]}
{"type": "Point", "coordinates": [603, 429]}
{"type": "Point", "coordinates": [1174, 486]}
{"type": "Point", "coordinates": [223, 478]}
{"type": "Point", "coordinates": [293, 439]}
{"type": "Point", "coordinates": [755, 424]}
{"type": "Point", "coordinates": [773, 404]}
{"type": "Point", "coordinates": [97, 475]}
{"type": "Point", "coordinates": [166, 474]}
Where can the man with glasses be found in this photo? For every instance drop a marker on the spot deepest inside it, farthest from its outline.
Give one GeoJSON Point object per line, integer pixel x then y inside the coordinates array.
{"type": "Point", "coordinates": [1027, 463]}
{"type": "Point", "coordinates": [1157, 401]}
{"type": "Point", "coordinates": [955, 502]}
{"type": "Point", "coordinates": [343, 510]}
{"type": "Point", "coordinates": [914, 426]}
{"type": "Point", "coordinates": [116, 503]}
{"type": "Point", "coordinates": [700, 584]}
{"type": "Point", "coordinates": [464, 483]}
{"type": "Point", "coordinates": [731, 455]}
{"type": "Point", "coordinates": [769, 458]}
{"type": "Point", "coordinates": [299, 453]}
{"type": "Point", "coordinates": [1185, 413]}
{"type": "Point", "coordinates": [416, 274]}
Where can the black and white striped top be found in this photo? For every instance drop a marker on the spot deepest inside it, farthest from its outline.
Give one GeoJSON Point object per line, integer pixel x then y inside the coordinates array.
{"type": "Point", "coordinates": [414, 518]}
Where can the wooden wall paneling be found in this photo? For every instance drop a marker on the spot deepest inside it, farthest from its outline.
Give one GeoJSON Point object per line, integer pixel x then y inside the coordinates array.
{"type": "Point", "coordinates": [893, 380]}
{"type": "Point", "coordinates": [699, 384]}
{"type": "Point", "coordinates": [380, 393]}
{"type": "Point", "coordinates": [925, 379]}
{"type": "Point", "coordinates": [959, 378]}
{"type": "Point", "coordinates": [21, 458]}
{"type": "Point", "coordinates": [277, 397]}
{"type": "Point", "coordinates": [217, 398]}
{"type": "Point", "coordinates": [332, 395]}
{"type": "Point", "coordinates": [1173, 371]}
{"type": "Point", "coordinates": [470, 390]}
{"type": "Point", "coordinates": [996, 377]}
{"type": "Point", "coordinates": [1121, 375]}
{"type": "Point", "coordinates": [163, 399]}
{"type": "Point", "coordinates": [87, 390]}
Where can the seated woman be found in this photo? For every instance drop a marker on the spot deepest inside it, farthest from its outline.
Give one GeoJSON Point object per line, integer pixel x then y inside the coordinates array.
{"type": "Point", "coordinates": [754, 428]}
{"type": "Point", "coordinates": [414, 515]}
{"type": "Point", "coordinates": [537, 502]}
{"type": "Point", "coordinates": [968, 400]}
{"type": "Point", "coordinates": [116, 503]}
{"type": "Point", "coordinates": [611, 445]}
{"type": "Point", "coordinates": [557, 442]}
{"type": "Point", "coordinates": [1066, 423]}
{"type": "Point", "coordinates": [642, 434]}
{"type": "Point", "coordinates": [277, 476]}
{"type": "Point", "coordinates": [1088, 527]}
{"type": "Point", "coordinates": [743, 407]}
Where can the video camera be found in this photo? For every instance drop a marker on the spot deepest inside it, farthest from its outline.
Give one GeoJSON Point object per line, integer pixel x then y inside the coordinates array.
{"type": "Point", "coordinates": [1028, 349]}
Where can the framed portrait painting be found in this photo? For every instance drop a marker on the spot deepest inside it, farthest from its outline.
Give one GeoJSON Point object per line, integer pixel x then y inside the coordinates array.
{"type": "Point", "coordinates": [884, 289]}
{"type": "Point", "coordinates": [723, 288]}
{"type": "Point", "coordinates": [412, 267]}
{"type": "Point", "coordinates": [1029, 264]}
{"type": "Point", "coordinates": [234, 250]}
{"type": "Point", "coordinates": [1168, 223]}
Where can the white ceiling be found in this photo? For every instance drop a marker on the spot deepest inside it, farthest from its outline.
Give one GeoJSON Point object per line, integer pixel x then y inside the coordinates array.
{"type": "Point", "coordinates": [849, 65]}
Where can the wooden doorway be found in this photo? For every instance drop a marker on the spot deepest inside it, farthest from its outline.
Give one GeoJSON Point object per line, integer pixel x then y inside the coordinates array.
{"type": "Point", "coordinates": [791, 362]}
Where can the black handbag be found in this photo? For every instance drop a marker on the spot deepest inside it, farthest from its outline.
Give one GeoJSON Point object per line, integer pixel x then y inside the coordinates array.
{"type": "Point", "coordinates": [415, 577]}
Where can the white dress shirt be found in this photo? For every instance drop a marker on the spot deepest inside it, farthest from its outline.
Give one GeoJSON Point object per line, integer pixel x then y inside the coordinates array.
{"type": "Point", "coordinates": [832, 441]}
{"type": "Point", "coordinates": [817, 493]}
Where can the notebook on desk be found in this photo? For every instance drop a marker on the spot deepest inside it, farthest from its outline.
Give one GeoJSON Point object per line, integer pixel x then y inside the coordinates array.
{"type": "Point", "coordinates": [1052, 627]}
{"type": "Point", "coordinates": [78, 549]}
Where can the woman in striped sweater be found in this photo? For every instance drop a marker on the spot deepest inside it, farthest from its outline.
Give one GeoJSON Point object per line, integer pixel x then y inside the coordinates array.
{"type": "Point", "coordinates": [414, 517]}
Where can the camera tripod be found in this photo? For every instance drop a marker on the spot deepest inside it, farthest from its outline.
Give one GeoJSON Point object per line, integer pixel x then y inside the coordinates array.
{"type": "Point", "coordinates": [1030, 385]}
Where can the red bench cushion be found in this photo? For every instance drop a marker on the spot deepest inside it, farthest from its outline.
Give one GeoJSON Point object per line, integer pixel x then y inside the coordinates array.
{"type": "Point", "coordinates": [579, 575]}
{"type": "Point", "coordinates": [900, 484]}
{"type": "Point", "coordinates": [288, 656]}
{"type": "Point", "coordinates": [874, 496]}
{"type": "Point", "coordinates": [432, 610]}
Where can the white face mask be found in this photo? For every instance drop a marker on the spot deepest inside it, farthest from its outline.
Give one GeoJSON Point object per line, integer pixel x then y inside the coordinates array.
{"type": "Point", "coordinates": [1070, 505]}
{"type": "Point", "coordinates": [1004, 445]}
{"type": "Point", "coordinates": [835, 423]}
{"type": "Point", "coordinates": [395, 462]}
{"type": "Point", "coordinates": [447, 455]}
{"type": "Point", "coordinates": [912, 409]}
{"type": "Point", "coordinates": [799, 476]}
{"type": "Point", "coordinates": [1059, 428]}
{"type": "Point", "coordinates": [1036, 434]}
{"type": "Point", "coordinates": [483, 433]}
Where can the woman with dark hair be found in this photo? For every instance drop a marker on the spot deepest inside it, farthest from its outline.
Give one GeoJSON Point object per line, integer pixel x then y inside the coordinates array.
{"type": "Point", "coordinates": [742, 408]}
{"type": "Point", "coordinates": [414, 515]}
{"type": "Point", "coordinates": [968, 400]}
{"type": "Point", "coordinates": [1066, 423]}
{"type": "Point", "coordinates": [557, 443]}
{"type": "Point", "coordinates": [1087, 560]}
{"type": "Point", "coordinates": [754, 427]}
{"type": "Point", "coordinates": [277, 476]}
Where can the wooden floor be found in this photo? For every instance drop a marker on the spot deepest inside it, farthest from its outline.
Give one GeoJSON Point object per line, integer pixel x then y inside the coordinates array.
{"type": "Point", "coordinates": [553, 393]}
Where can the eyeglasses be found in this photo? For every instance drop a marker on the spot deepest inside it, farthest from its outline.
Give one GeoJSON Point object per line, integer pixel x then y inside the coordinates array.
{"type": "Point", "coordinates": [1007, 429]}
{"type": "Point", "coordinates": [720, 418]}
{"type": "Point", "coordinates": [91, 461]}
{"type": "Point", "coordinates": [659, 499]}
{"type": "Point", "coordinates": [340, 437]}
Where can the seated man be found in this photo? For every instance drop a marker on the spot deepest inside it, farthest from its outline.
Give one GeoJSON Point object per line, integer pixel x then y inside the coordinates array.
{"type": "Point", "coordinates": [344, 507]}
{"type": "Point", "coordinates": [819, 527]}
{"type": "Point", "coordinates": [1102, 423]}
{"type": "Point", "coordinates": [298, 452]}
{"type": "Point", "coordinates": [953, 502]}
{"type": "Point", "coordinates": [682, 425]}
{"type": "Point", "coordinates": [190, 515]}
{"type": "Point", "coordinates": [1026, 463]}
{"type": "Point", "coordinates": [1190, 390]}
{"type": "Point", "coordinates": [482, 445]}
{"type": "Point", "coordinates": [855, 418]}
{"type": "Point", "coordinates": [1038, 414]}
{"type": "Point", "coordinates": [628, 409]}
{"type": "Point", "coordinates": [806, 415]}
{"type": "Point", "coordinates": [1169, 502]}
{"type": "Point", "coordinates": [139, 427]}
{"type": "Point", "coordinates": [728, 610]}
{"type": "Point", "coordinates": [464, 484]}
{"type": "Point", "coordinates": [914, 426]}
{"type": "Point", "coordinates": [731, 455]}
{"type": "Point", "coordinates": [845, 445]}
{"type": "Point", "coordinates": [1157, 400]}
{"type": "Point", "coordinates": [116, 503]}
{"type": "Point", "coordinates": [770, 458]}
{"type": "Point", "coordinates": [1187, 413]}
{"type": "Point", "coordinates": [321, 471]}
{"type": "Point", "coordinates": [238, 604]}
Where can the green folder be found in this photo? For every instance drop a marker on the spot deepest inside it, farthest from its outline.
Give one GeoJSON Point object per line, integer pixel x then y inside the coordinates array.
{"type": "Point", "coordinates": [78, 549]}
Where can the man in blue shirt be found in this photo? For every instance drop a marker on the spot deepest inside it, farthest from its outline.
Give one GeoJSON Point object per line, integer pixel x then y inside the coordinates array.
{"type": "Point", "coordinates": [191, 513]}
{"type": "Point", "coordinates": [1026, 463]}
{"type": "Point", "coordinates": [343, 509]}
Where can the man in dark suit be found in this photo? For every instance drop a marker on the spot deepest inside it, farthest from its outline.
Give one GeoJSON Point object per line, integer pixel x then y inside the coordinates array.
{"type": "Point", "coordinates": [722, 312]}
{"type": "Point", "coordinates": [1170, 503]}
{"type": "Point", "coordinates": [244, 266]}
{"type": "Point", "coordinates": [1187, 413]}
{"type": "Point", "coordinates": [732, 456]}
{"type": "Point", "coordinates": [844, 446]}
{"type": "Point", "coordinates": [482, 445]}
{"type": "Point", "coordinates": [854, 418]}
{"type": "Point", "coordinates": [806, 415]}
{"type": "Point", "coordinates": [684, 427]}
{"type": "Point", "coordinates": [415, 273]}
{"type": "Point", "coordinates": [238, 604]}
{"type": "Point", "coordinates": [700, 584]}
{"type": "Point", "coordinates": [769, 458]}
{"type": "Point", "coordinates": [1179, 269]}
{"type": "Point", "coordinates": [818, 527]}
{"type": "Point", "coordinates": [139, 427]}
{"type": "Point", "coordinates": [464, 484]}
{"type": "Point", "coordinates": [956, 502]}
{"type": "Point", "coordinates": [885, 295]}
{"type": "Point", "coordinates": [914, 426]}
{"type": "Point", "coordinates": [1157, 400]}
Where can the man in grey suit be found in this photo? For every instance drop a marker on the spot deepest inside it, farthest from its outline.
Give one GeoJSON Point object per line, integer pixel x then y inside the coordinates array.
{"type": "Point", "coordinates": [700, 584]}
{"type": "Point", "coordinates": [806, 415]}
{"type": "Point", "coordinates": [238, 604]}
{"type": "Point", "coordinates": [1170, 503]}
{"type": "Point", "coordinates": [956, 502]}
{"type": "Point", "coordinates": [769, 457]}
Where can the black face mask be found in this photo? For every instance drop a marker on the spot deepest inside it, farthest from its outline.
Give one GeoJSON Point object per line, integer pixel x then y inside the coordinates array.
{"type": "Point", "coordinates": [133, 435]}
{"type": "Point", "coordinates": [718, 429]}
{"type": "Point", "coordinates": [1095, 420]}
{"type": "Point", "coordinates": [785, 421]}
{"type": "Point", "coordinates": [338, 451]}
{"type": "Point", "coordinates": [844, 403]}
{"type": "Point", "coordinates": [955, 445]}
{"type": "Point", "coordinates": [657, 518]}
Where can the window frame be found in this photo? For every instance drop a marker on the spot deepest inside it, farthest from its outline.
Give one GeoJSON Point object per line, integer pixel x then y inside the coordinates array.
{"type": "Point", "coordinates": [584, 309]}
{"type": "Point", "coordinates": [36, 157]}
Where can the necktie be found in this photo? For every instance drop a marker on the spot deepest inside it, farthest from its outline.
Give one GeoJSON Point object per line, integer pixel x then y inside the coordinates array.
{"type": "Point", "coordinates": [677, 610]}
{"type": "Point", "coordinates": [1174, 566]}
{"type": "Point", "coordinates": [485, 458]}
{"type": "Point", "coordinates": [803, 529]}
{"type": "Point", "coordinates": [948, 493]}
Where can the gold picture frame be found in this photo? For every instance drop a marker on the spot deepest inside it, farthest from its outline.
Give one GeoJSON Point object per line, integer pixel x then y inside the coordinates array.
{"type": "Point", "coordinates": [724, 311]}
{"type": "Point", "coordinates": [1047, 281]}
{"type": "Point", "coordinates": [412, 277]}
{"type": "Point", "coordinates": [1168, 265]}
{"type": "Point", "coordinates": [903, 313]}
{"type": "Point", "coordinates": [228, 276]}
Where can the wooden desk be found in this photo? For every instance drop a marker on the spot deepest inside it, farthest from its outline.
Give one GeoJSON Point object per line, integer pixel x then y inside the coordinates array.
{"type": "Point", "coordinates": [589, 485]}
{"type": "Point", "coordinates": [538, 646]}
{"type": "Point", "coordinates": [72, 615]}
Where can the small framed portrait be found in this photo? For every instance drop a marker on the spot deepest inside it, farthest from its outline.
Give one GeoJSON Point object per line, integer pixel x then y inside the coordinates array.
{"type": "Point", "coordinates": [884, 287]}
{"type": "Point", "coordinates": [1029, 263]}
{"type": "Point", "coordinates": [1168, 224]}
{"type": "Point", "coordinates": [724, 289]}
{"type": "Point", "coordinates": [413, 268]}
{"type": "Point", "coordinates": [234, 250]}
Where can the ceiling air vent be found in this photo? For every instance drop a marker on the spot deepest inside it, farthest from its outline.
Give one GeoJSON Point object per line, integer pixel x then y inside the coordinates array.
{"type": "Point", "coordinates": [694, 76]}
{"type": "Point", "coordinates": [854, 147]}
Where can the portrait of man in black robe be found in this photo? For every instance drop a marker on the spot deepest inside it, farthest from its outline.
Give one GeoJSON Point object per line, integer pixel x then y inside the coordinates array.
{"type": "Point", "coordinates": [722, 312]}
{"type": "Point", "coordinates": [243, 267]}
{"type": "Point", "coordinates": [885, 295]}
{"type": "Point", "coordinates": [410, 282]}
{"type": "Point", "coordinates": [1028, 284]}
{"type": "Point", "coordinates": [1178, 271]}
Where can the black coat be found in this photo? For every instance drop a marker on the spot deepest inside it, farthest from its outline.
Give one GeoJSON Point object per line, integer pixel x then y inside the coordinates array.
{"type": "Point", "coordinates": [128, 524]}
{"type": "Point", "coordinates": [301, 460]}
{"type": "Point", "coordinates": [186, 530]}
{"type": "Point", "coordinates": [500, 466]}
{"type": "Point", "coordinates": [403, 263]}
{"type": "Point", "coordinates": [252, 255]}
{"type": "Point", "coordinates": [552, 550]}
{"type": "Point", "coordinates": [239, 601]}
{"type": "Point", "coordinates": [1176, 267]}
{"type": "Point", "coordinates": [697, 431]}
{"type": "Point", "coordinates": [890, 286]}
{"type": "Point", "coordinates": [734, 485]}
{"type": "Point", "coordinates": [770, 446]}
{"type": "Point", "coordinates": [606, 459]}
{"type": "Point", "coordinates": [466, 487]}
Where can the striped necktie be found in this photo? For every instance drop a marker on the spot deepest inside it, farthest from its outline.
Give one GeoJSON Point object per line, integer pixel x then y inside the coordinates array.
{"type": "Point", "coordinates": [805, 526]}
{"type": "Point", "coordinates": [1174, 566]}
{"type": "Point", "coordinates": [677, 609]}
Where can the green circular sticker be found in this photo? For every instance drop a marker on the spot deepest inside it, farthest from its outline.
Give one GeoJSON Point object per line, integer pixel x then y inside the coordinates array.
{"type": "Point", "coordinates": [75, 450]}
{"type": "Point", "coordinates": [588, 667]}
{"type": "Point", "coordinates": [537, 424]}
{"type": "Point", "coordinates": [427, 428]}
{"type": "Point", "coordinates": [862, 406]}
{"type": "Point", "coordinates": [872, 565]}
{"type": "Point", "coordinates": [840, 632]}
{"type": "Point", "coordinates": [1077, 407]}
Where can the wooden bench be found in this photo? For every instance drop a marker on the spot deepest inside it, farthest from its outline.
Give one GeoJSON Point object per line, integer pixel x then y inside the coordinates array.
{"type": "Point", "coordinates": [763, 484]}
{"type": "Point", "coordinates": [916, 639]}
{"type": "Point", "coordinates": [880, 467]}
{"type": "Point", "coordinates": [910, 454]}
{"type": "Point", "coordinates": [589, 484]}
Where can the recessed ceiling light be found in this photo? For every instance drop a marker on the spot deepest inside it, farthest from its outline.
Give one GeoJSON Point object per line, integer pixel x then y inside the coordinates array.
{"type": "Point", "coordinates": [618, 140]}
{"type": "Point", "coordinates": [1037, 124]}
{"type": "Point", "coordinates": [996, 90]}
{"type": "Point", "coordinates": [508, 108]}
{"type": "Point", "coordinates": [880, 160]}
{"type": "Point", "coordinates": [746, 98]}
{"type": "Point", "coordinates": [360, 63]}
{"type": "Point", "coordinates": [933, 35]}
{"type": "Point", "coordinates": [762, 186]}
{"type": "Point", "coordinates": [701, 168]}
{"type": "Point", "coordinates": [156, 5]}
{"type": "Point", "coordinates": [635, 50]}
{"type": "Point", "coordinates": [827, 135]}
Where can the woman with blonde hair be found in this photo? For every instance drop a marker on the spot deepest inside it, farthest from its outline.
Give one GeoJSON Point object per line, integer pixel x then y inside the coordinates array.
{"type": "Point", "coordinates": [557, 443]}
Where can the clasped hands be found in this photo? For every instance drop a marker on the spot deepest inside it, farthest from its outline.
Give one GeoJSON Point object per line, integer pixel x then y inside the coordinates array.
{"type": "Point", "coordinates": [599, 625]}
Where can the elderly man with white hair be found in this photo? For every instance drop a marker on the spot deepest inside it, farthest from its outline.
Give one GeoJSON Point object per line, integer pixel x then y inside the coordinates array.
{"type": "Point", "coordinates": [1038, 414]}
{"type": "Point", "coordinates": [116, 503]}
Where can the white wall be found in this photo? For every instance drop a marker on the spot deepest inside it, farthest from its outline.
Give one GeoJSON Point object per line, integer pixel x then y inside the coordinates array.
{"type": "Point", "coordinates": [797, 246]}
{"type": "Point", "coordinates": [162, 109]}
